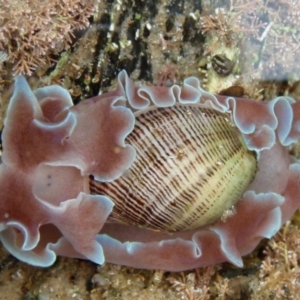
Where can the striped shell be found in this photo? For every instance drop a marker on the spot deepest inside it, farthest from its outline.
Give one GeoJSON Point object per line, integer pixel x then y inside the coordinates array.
{"type": "Point", "coordinates": [192, 167]}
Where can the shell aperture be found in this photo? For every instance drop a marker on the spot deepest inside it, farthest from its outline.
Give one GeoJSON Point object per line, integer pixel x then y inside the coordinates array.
{"type": "Point", "coordinates": [192, 167]}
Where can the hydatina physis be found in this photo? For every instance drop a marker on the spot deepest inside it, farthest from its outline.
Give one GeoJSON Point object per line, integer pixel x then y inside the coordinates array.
{"type": "Point", "coordinates": [152, 148]}
{"type": "Point", "coordinates": [192, 166]}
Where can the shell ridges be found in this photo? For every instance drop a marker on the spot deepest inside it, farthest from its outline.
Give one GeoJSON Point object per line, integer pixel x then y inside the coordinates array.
{"type": "Point", "coordinates": [190, 168]}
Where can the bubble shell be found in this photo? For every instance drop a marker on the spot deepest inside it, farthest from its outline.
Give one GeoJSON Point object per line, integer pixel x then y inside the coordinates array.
{"type": "Point", "coordinates": [52, 147]}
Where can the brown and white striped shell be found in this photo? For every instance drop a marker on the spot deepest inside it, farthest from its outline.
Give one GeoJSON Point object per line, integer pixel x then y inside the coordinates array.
{"type": "Point", "coordinates": [192, 166]}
